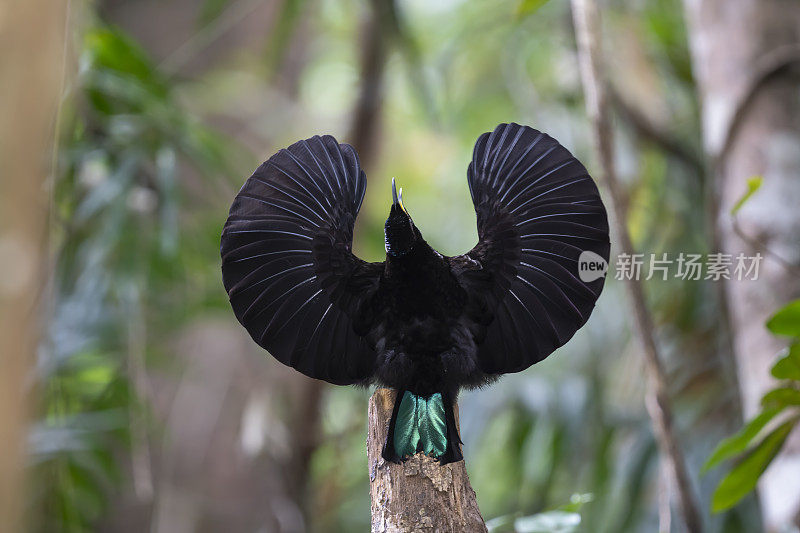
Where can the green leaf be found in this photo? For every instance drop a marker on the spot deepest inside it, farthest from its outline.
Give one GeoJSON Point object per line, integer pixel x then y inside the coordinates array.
{"type": "Point", "coordinates": [739, 442]}
{"type": "Point", "coordinates": [781, 397]}
{"type": "Point", "coordinates": [743, 478]}
{"type": "Point", "coordinates": [113, 50]}
{"type": "Point", "coordinates": [528, 7]}
{"type": "Point", "coordinates": [786, 321]}
{"type": "Point", "coordinates": [753, 184]}
{"type": "Point", "coordinates": [788, 367]}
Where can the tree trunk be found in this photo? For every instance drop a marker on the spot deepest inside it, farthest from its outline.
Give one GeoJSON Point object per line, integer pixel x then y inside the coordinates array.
{"type": "Point", "coordinates": [418, 495]}
{"type": "Point", "coordinates": [365, 123]}
{"type": "Point", "coordinates": [31, 53]}
{"type": "Point", "coordinates": [745, 58]}
{"type": "Point", "coordinates": [657, 400]}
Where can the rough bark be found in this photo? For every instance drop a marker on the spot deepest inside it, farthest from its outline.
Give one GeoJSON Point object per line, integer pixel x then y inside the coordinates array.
{"type": "Point", "coordinates": [746, 59]}
{"type": "Point", "coordinates": [657, 400]}
{"type": "Point", "coordinates": [31, 66]}
{"type": "Point", "coordinates": [418, 495]}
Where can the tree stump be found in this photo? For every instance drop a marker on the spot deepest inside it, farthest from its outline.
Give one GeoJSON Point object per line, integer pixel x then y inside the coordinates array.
{"type": "Point", "coordinates": [418, 495]}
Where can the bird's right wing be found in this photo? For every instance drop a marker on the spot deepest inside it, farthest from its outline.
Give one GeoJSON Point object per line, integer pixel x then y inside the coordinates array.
{"type": "Point", "coordinates": [538, 210]}
{"type": "Point", "coordinates": [287, 264]}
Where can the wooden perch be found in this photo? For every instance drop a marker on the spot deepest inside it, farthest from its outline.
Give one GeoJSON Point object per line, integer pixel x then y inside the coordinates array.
{"type": "Point", "coordinates": [418, 495]}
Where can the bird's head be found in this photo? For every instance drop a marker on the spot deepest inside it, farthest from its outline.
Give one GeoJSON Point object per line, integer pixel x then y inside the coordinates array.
{"type": "Point", "coordinates": [400, 232]}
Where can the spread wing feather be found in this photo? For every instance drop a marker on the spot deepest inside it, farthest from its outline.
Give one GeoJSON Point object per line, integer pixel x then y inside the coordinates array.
{"type": "Point", "coordinates": [287, 264]}
{"type": "Point", "coordinates": [538, 210]}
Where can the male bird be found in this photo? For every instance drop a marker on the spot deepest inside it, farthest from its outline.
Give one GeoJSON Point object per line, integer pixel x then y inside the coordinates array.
{"type": "Point", "coordinates": [420, 322]}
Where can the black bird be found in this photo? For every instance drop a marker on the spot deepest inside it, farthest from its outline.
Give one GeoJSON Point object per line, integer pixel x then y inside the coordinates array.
{"type": "Point", "coordinates": [420, 322]}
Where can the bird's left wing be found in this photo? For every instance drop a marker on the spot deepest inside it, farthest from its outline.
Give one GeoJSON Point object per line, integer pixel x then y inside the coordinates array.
{"type": "Point", "coordinates": [538, 210]}
{"type": "Point", "coordinates": [287, 264]}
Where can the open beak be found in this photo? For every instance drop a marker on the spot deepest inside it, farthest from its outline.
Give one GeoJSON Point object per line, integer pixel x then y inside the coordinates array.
{"type": "Point", "coordinates": [397, 197]}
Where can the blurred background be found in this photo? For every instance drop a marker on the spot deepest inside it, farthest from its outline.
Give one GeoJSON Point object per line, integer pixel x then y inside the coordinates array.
{"type": "Point", "coordinates": [150, 407]}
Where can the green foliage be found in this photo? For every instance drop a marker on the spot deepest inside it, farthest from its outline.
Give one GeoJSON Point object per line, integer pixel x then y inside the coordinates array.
{"type": "Point", "coordinates": [744, 476]}
{"type": "Point", "coordinates": [553, 449]}
{"type": "Point", "coordinates": [736, 444]}
{"type": "Point", "coordinates": [788, 366]}
{"type": "Point", "coordinates": [786, 321]}
{"type": "Point", "coordinates": [759, 441]}
{"type": "Point", "coordinates": [116, 235]}
{"type": "Point", "coordinates": [781, 397]}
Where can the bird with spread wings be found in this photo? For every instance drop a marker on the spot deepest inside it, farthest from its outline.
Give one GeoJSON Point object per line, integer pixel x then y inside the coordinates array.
{"type": "Point", "coordinates": [420, 322]}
